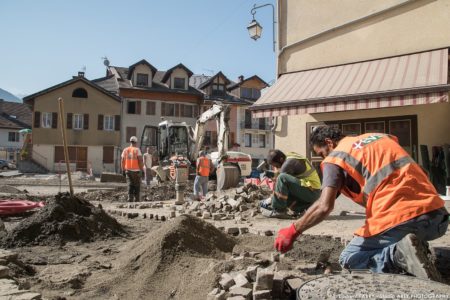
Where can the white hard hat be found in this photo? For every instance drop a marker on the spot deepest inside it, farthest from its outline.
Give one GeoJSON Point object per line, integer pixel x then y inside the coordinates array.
{"type": "Point", "coordinates": [133, 139]}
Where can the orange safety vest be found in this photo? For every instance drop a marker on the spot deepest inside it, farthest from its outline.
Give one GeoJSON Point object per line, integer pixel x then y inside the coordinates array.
{"type": "Point", "coordinates": [131, 158]}
{"type": "Point", "coordinates": [394, 188]}
{"type": "Point", "coordinates": [203, 166]}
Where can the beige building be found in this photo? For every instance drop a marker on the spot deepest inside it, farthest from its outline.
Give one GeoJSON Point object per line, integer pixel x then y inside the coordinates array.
{"type": "Point", "coordinates": [256, 136]}
{"type": "Point", "coordinates": [362, 65]}
{"type": "Point", "coordinates": [92, 122]}
{"type": "Point", "coordinates": [149, 96]}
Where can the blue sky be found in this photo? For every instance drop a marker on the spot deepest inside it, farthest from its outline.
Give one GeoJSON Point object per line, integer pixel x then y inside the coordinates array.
{"type": "Point", "coordinates": [45, 42]}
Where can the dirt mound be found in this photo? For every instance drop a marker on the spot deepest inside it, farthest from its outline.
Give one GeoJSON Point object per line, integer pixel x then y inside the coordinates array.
{"type": "Point", "coordinates": [182, 258]}
{"type": "Point", "coordinates": [9, 189]}
{"type": "Point", "coordinates": [63, 219]}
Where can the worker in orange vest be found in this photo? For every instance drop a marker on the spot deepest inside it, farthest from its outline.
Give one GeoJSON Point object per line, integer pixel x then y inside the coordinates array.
{"type": "Point", "coordinates": [403, 209]}
{"type": "Point", "coordinates": [132, 167]}
{"type": "Point", "coordinates": [203, 170]}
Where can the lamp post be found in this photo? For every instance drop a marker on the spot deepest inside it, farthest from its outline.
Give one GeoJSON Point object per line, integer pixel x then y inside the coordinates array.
{"type": "Point", "coordinates": [255, 29]}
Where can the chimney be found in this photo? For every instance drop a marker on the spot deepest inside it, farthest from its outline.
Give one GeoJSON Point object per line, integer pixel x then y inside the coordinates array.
{"type": "Point", "coordinates": [241, 78]}
{"type": "Point", "coordinates": [80, 74]}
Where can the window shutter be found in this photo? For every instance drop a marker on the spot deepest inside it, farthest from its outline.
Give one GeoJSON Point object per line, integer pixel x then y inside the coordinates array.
{"type": "Point", "coordinates": [37, 119]}
{"type": "Point", "coordinates": [86, 121]}
{"type": "Point", "coordinates": [138, 107]}
{"type": "Point", "coordinates": [69, 121]}
{"type": "Point", "coordinates": [177, 110]}
{"type": "Point", "coordinates": [54, 120]}
{"type": "Point", "coordinates": [100, 122]}
{"type": "Point", "coordinates": [163, 109]}
{"type": "Point", "coordinates": [147, 108]}
{"type": "Point", "coordinates": [117, 122]}
{"type": "Point", "coordinates": [153, 105]}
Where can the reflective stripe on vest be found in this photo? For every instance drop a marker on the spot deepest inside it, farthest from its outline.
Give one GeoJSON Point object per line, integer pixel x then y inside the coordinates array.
{"type": "Point", "coordinates": [393, 188]}
{"type": "Point", "coordinates": [203, 166]}
{"type": "Point", "coordinates": [131, 158]}
{"type": "Point", "coordinates": [309, 178]}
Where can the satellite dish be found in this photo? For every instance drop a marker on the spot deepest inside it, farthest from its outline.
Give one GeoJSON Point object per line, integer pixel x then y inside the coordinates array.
{"type": "Point", "coordinates": [105, 61]}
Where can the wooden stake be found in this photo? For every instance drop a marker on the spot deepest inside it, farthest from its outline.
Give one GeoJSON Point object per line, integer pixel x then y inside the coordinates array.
{"type": "Point", "coordinates": [66, 151]}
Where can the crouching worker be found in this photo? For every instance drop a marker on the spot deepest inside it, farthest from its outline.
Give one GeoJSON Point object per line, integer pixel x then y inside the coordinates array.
{"type": "Point", "coordinates": [297, 185]}
{"type": "Point", "coordinates": [403, 209]}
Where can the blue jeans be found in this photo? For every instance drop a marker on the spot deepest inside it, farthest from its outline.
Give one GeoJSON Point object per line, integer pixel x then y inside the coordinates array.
{"type": "Point", "coordinates": [200, 182]}
{"type": "Point", "coordinates": [377, 252]}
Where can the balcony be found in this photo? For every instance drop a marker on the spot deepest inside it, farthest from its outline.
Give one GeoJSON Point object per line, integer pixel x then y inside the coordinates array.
{"type": "Point", "coordinates": [259, 126]}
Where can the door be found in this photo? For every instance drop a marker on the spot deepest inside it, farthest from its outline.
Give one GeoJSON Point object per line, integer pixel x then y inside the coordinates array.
{"type": "Point", "coordinates": [81, 159]}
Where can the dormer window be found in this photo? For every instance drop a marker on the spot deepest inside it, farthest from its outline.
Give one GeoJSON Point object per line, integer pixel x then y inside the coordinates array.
{"type": "Point", "coordinates": [179, 83]}
{"type": "Point", "coordinates": [79, 93]}
{"type": "Point", "coordinates": [141, 79]}
{"type": "Point", "coordinates": [250, 93]}
{"type": "Point", "coordinates": [218, 89]}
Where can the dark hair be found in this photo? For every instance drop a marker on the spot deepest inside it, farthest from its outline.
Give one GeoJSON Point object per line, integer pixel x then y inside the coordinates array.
{"type": "Point", "coordinates": [276, 156]}
{"type": "Point", "coordinates": [321, 133]}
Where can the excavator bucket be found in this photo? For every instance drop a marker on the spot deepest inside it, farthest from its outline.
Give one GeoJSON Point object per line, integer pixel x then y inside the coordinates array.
{"type": "Point", "coordinates": [227, 176]}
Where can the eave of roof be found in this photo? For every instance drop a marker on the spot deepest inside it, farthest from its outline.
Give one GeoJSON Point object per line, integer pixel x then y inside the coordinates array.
{"type": "Point", "coordinates": [141, 62]}
{"type": "Point", "coordinates": [180, 66]}
{"type": "Point", "coordinates": [211, 80]}
{"type": "Point", "coordinates": [68, 82]}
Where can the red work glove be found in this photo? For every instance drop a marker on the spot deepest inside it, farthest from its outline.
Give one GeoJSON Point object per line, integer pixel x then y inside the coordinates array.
{"type": "Point", "coordinates": [285, 238]}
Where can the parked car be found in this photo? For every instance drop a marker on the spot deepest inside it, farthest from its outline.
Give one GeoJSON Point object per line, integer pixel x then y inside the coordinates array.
{"type": "Point", "coordinates": [5, 165]}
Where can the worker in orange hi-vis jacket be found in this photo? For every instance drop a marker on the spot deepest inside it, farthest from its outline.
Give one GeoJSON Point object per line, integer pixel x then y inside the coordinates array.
{"type": "Point", "coordinates": [403, 209]}
{"type": "Point", "coordinates": [132, 167]}
{"type": "Point", "coordinates": [203, 170]}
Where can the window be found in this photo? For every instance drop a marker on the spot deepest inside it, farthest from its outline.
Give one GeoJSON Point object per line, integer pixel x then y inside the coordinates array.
{"type": "Point", "coordinates": [168, 109]}
{"type": "Point", "coordinates": [78, 121]}
{"type": "Point", "coordinates": [188, 111]}
{"type": "Point", "coordinates": [250, 93]}
{"type": "Point", "coordinates": [131, 107]}
{"type": "Point", "coordinates": [207, 138]}
{"type": "Point", "coordinates": [248, 140]}
{"type": "Point", "coordinates": [79, 93]}
{"type": "Point", "coordinates": [179, 83]}
{"type": "Point", "coordinates": [13, 136]}
{"type": "Point", "coordinates": [108, 123]}
{"type": "Point", "coordinates": [218, 89]}
{"type": "Point", "coordinates": [141, 79]}
{"type": "Point", "coordinates": [262, 141]}
{"type": "Point", "coordinates": [248, 119]}
{"type": "Point", "coordinates": [134, 107]}
{"type": "Point", "coordinates": [46, 120]}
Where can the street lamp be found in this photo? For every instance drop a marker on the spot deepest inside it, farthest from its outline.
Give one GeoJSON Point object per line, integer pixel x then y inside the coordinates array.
{"type": "Point", "coordinates": [255, 29]}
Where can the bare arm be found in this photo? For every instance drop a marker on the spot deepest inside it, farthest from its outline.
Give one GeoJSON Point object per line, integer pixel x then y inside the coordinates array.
{"type": "Point", "coordinates": [318, 211]}
{"type": "Point", "coordinates": [141, 165]}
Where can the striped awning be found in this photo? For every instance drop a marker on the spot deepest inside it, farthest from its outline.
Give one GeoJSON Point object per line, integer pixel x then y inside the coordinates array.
{"type": "Point", "coordinates": [413, 79]}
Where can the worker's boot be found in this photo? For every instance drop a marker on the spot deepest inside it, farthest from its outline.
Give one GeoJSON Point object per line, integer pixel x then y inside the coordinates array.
{"type": "Point", "coordinates": [412, 255]}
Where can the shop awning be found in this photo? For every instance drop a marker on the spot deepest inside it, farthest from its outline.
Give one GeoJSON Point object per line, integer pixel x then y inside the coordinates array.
{"type": "Point", "coordinates": [413, 79]}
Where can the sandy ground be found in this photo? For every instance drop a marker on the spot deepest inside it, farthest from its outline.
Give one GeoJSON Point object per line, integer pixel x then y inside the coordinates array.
{"type": "Point", "coordinates": [79, 270]}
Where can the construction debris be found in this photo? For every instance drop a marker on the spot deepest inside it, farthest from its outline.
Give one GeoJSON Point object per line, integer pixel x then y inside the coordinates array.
{"type": "Point", "coordinates": [62, 219]}
{"type": "Point", "coordinates": [239, 204]}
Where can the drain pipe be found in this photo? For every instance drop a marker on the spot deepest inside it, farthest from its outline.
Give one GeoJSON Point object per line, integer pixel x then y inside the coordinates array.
{"type": "Point", "coordinates": [315, 36]}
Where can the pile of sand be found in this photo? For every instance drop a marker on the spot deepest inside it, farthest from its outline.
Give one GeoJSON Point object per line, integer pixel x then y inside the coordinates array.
{"type": "Point", "coordinates": [183, 258]}
{"type": "Point", "coordinates": [63, 219]}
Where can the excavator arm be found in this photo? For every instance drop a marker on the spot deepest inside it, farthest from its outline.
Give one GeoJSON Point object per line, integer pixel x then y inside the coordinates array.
{"type": "Point", "coordinates": [220, 113]}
